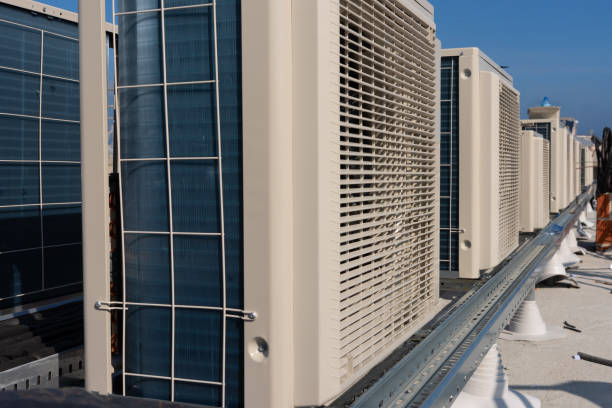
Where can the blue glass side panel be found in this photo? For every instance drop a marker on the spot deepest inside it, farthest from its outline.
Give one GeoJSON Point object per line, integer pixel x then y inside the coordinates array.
{"type": "Point", "coordinates": [198, 344]}
{"type": "Point", "coordinates": [147, 268]}
{"type": "Point", "coordinates": [64, 265]}
{"type": "Point", "coordinates": [145, 196]}
{"type": "Point", "coordinates": [61, 57]}
{"type": "Point", "coordinates": [145, 66]}
{"type": "Point", "coordinates": [210, 395]}
{"type": "Point", "coordinates": [195, 282]}
{"type": "Point", "coordinates": [61, 183]}
{"type": "Point", "coordinates": [149, 349]}
{"type": "Point", "coordinates": [19, 93]}
{"type": "Point", "coordinates": [192, 120]}
{"type": "Point", "coordinates": [147, 387]}
{"type": "Point", "coordinates": [20, 183]}
{"type": "Point", "coordinates": [142, 122]}
{"type": "Point", "coordinates": [189, 44]}
{"type": "Point", "coordinates": [449, 160]}
{"type": "Point", "coordinates": [62, 224]}
{"type": "Point", "coordinates": [19, 228]}
{"type": "Point", "coordinates": [195, 196]}
{"type": "Point", "coordinates": [20, 272]}
{"type": "Point", "coordinates": [60, 99]}
{"type": "Point", "coordinates": [19, 47]}
{"type": "Point", "coordinates": [60, 141]}
{"type": "Point", "coordinates": [18, 138]}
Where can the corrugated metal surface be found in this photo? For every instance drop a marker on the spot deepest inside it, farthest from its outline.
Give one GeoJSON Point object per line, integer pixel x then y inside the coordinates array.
{"type": "Point", "coordinates": [509, 133]}
{"type": "Point", "coordinates": [387, 176]}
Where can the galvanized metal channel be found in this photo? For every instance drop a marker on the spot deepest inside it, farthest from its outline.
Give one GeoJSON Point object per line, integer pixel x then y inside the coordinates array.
{"type": "Point", "coordinates": [437, 369]}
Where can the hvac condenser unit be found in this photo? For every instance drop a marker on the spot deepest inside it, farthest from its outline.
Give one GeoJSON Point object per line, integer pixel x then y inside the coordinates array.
{"type": "Point", "coordinates": [533, 205]}
{"type": "Point", "coordinates": [577, 167]}
{"type": "Point", "coordinates": [479, 191]}
{"type": "Point", "coordinates": [543, 129]}
{"type": "Point", "coordinates": [548, 118]}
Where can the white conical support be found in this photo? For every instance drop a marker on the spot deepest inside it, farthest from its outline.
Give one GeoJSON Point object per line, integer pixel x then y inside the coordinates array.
{"type": "Point", "coordinates": [590, 213]}
{"type": "Point", "coordinates": [582, 219]}
{"type": "Point", "coordinates": [583, 233]}
{"type": "Point", "coordinates": [527, 323]}
{"type": "Point", "coordinates": [568, 258]}
{"type": "Point", "coordinates": [488, 387]}
{"type": "Point", "coordinates": [572, 243]}
{"type": "Point", "coordinates": [554, 267]}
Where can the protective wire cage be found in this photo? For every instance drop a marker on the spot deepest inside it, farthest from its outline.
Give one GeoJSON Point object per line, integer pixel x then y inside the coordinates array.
{"type": "Point", "coordinates": [178, 93]}
{"type": "Point", "coordinates": [388, 182]}
{"type": "Point", "coordinates": [509, 141]}
{"type": "Point", "coordinates": [40, 177]}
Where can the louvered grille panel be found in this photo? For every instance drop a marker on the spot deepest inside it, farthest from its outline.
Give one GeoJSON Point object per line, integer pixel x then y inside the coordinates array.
{"type": "Point", "coordinates": [387, 183]}
{"type": "Point", "coordinates": [509, 125]}
{"type": "Point", "coordinates": [546, 171]}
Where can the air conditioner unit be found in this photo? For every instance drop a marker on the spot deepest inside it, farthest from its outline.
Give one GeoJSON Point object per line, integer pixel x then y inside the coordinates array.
{"type": "Point", "coordinates": [577, 169]}
{"type": "Point", "coordinates": [479, 214]}
{"type": "Point", "coordinates": [546, 120]}
{"type": "Point", "coordinates": [280, 195]}
{"type": "Point", "coordinates": [533, 205]}
{"type": "Point", "coordinates": [543, 129]}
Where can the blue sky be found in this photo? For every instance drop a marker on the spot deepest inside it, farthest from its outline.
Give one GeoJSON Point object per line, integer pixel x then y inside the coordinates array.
{"type": "Point", "coordinates": [556, 48]}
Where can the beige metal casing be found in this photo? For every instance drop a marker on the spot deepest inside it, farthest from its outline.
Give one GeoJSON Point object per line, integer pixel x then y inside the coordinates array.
{"type": "Point", "coordinates": [558, 155]}
{"type": "Point", "coordinates": [532, 203]}
{"type": "Point", "coordinates": [332, 300]}
{"type": "Point", "coordinates": [577, 168]}
{"type": "Point", "coordinates": [488, 200]}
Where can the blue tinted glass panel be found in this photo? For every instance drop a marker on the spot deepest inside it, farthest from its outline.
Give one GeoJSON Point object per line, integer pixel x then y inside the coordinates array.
{"type": "Point", "coordinates": [189, 44]}
{"type": "Point", "coordinates": [147, 387]}
{"type": "Point", "coordinates": [18, 138]}
{"type": "Point", "coordinates": [63, 265]}
{"type": "Point", "coordinates": [19, 93]}
{"type": "Point", "coordinates": [149, 348]}
{"type": "Point", "coordinates": [20, 272]}
{"type": "Point", "coordinates": [60, 99]}
{"type": "Point", "coordinates": [144, 66]}
{"type": "Point", "coordinates": [61, 183]}
{"type": "Point", "coordinates": [198, 344]}
{"type": "Point", "coordinates": [61, 141]}
{"type": "Point", "coordinates": [209, 395]}
{"type": "Point", "coordinates": [19, 184]}
{"type": "Point", "coordinates": [133, 5]}
{"type": "Point", "coordinates": [19, 228]}
{"type": "Point", "coordinates": [195, 196]}
{"type": "Point", "coordinates": [19, 47]}
{"type": "Point", "coordinates": [196, 282]}
{"type": "Point", "coordinates": [147, 268]}
{"type": "Point", "coordinates": [62, 224]}
{"type": "Point", "coordinates": [142, 122]}
{"type": "Point", "coordinates": [145, 196]}
{"type": "Point", "coordinates": [191, 117]}
{"type": "Point", "coordinates": [61, 57]}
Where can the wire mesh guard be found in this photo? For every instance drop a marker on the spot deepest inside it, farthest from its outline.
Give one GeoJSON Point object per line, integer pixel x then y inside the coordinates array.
{"type": "Point", "coordinates": [40, 189]}
{"type": "Point", "coordinates": [179, 100]}
{"type": "Point", "coordinates": [388, 180]}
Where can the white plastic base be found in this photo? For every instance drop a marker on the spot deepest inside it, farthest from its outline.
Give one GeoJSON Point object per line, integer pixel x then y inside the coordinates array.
{"type": "Point", "coordinates": [590, 212]}
{"type": "Point", "coordinates": [568, 258]}
{"type": "Point", "coordinates": [583, 218]}
{"type": "Point", "coordinates": [582, 233]}
{"type": "Point", "coordinates": [554, 267]}
{"type": "Point", "coordinates": [527, 324]}
{"type": "Point", "coordinates": [488, 387]}
{"type": "Point", "coordinates": [572, 243]}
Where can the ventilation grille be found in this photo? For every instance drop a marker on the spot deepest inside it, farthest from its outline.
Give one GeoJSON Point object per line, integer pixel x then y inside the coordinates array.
{"type": "Point", "coordinates": [509, 125]}
{"type": "Point", "coordinates": [387, 180]}
{"type": "Point", "coordinates": [546, 176]}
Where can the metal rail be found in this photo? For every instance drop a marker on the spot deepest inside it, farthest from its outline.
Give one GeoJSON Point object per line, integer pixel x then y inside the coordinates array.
{"type": "Point", "coordinates": [437, 369]}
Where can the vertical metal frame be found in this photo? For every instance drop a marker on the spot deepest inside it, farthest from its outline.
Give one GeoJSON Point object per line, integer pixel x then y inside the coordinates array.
{"type": "Point", "coordinates": [40, 161]}
{"type": "Point", "coordinates": [94, 180]}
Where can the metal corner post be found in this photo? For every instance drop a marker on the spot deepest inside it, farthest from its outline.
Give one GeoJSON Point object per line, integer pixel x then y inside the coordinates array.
{"type": "Point", "coordinates": [94, 180]}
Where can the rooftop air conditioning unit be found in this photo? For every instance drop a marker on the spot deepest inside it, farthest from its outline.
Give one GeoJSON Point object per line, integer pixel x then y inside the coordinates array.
{"type": "Point", "coordinates": [546, 121]}
{"type": "Point", "coordinates": [533, 205]}
{"type": "Point", "coordinates": [280, 195]}
{"type": "Point", "coordinates": [577, 168]}
{"type": "Point", "coordinates": [479, 214]}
